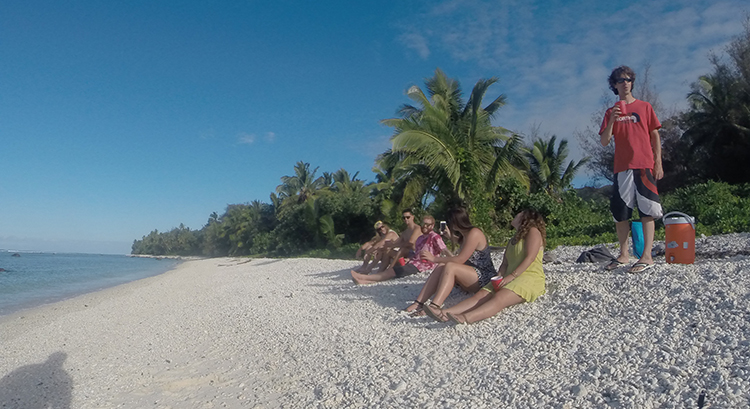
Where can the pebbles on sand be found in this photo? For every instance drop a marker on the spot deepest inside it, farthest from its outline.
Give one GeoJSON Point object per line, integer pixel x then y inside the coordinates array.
{"type": "Point", "coordinates": [298, 333]}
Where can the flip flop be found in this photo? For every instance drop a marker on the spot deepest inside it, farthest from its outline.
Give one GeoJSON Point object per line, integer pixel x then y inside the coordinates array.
{"type": "Point", "coordinates": [639, 268]}
{"type": "Point", "coordinates": [614, 264]}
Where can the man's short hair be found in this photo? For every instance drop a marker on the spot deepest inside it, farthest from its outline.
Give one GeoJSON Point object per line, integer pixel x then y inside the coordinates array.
{"type": "Point", "coordinates": [407, 211]}
{"type": "Point", "coordinates": [617, 73]}
{"type": "Point", "coordinates": [428, 217]}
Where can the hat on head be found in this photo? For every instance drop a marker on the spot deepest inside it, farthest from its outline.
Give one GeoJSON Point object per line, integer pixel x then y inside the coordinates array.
{"type": "Point", "coordinates": [378, 224]}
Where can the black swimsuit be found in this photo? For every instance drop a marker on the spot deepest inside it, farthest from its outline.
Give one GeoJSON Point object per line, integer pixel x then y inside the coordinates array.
{"type": "Point", "coordinates": [481, 260]}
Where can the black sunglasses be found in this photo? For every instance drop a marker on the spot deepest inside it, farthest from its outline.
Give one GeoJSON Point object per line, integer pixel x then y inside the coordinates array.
{"type": "Point", "coordinates": [621, 80]}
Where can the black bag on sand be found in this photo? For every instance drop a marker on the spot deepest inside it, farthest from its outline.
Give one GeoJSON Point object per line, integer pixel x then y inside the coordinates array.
{"type": "Point", "coordinates": [595, 255]}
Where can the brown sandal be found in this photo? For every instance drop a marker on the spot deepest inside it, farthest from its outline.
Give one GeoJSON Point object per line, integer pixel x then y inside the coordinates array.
{"type": "Point", "coordinates": [437, 316]}
{"type": "Point", "coordinates": [419, 304]}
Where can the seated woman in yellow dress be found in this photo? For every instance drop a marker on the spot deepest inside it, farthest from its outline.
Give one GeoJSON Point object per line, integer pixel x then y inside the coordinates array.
{"type": "Point", "coordinates": [523, 276]}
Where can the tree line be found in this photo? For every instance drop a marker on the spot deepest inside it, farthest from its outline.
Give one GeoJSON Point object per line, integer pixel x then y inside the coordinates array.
{"type": "Point", "coordinates": [446, 152]}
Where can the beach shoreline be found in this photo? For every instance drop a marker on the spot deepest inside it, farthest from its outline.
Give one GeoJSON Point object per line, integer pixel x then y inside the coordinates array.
{"type": "Point", "coordinates": [297, 333]}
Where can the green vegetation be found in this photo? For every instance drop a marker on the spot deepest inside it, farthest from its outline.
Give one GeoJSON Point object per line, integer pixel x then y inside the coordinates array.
{"type": "Point", "coordinates": [446, 152]}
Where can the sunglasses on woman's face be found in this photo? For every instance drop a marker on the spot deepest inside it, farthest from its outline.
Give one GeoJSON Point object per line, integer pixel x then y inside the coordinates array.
{"type": "Point", "coordinates": [621, 80]}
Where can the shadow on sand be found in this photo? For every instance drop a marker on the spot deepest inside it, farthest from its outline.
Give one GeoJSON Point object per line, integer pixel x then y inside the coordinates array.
{"type": "Point", "coordinates": [396, 293]}
{"type": "Point", "coordinates": [38, 386]}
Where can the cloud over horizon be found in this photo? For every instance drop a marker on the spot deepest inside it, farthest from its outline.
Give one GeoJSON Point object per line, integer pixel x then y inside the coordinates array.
{"type": "Point", "coordinates": [553, 66]}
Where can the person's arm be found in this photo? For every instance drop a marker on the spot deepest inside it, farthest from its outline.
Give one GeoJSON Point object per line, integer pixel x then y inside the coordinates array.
{"type": "Point", "coordinates": [391, 240]}
{"type": "Point", "coordinates": [363, 249]}
{"type": "Point", "coordinates": [411, 245]}
{"type": "Point", "coordinates": [656, 147]}
{"type": "Point", "coordinates": [378, 244]}
{"type": "Point", "coordinates": [605, 136]}
{"type": "Point", "coordinates": [446, 252]}
{"type": "Point", "coordinates": [504, 265]}
{"type": "Point", "coordinates": [471, 242]}
{"type": "Point", "coordinates": [439, 248]}
{"type": "Point", "coordinates": [447, 233]}
{"type": "Point", "coordinates": [394, 243]}
{"type": "Point", "coordinates": [533, 243]}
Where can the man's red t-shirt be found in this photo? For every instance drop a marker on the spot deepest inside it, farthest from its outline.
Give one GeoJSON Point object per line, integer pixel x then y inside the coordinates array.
{"type": "Point", "coordinates": [632, 134]}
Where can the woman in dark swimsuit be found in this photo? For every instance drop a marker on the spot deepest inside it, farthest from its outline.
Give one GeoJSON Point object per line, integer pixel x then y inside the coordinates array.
{"type": "Point", "coordinates": [471, 268]}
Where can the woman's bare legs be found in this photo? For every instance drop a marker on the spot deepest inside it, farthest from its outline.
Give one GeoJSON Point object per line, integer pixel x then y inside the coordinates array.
{"type": "Point", "coordinates": [470, 303]}
{"type": "Point", "coordinates": [429, 287]}
{"type": "Point", "coordinates": [488, 306]}
{"type": "Point", "coordinates": [453, 274]}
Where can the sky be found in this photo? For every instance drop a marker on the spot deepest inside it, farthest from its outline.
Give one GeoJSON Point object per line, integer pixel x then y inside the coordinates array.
{"type": "Point", "coordinates": [119, 118]}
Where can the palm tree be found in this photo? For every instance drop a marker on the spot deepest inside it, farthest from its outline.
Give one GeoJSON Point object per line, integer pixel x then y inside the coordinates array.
{"type": "Point", "coordinates": [547, 170]}
{"type": "Point", "coordinates": [448, 147]}
{"type": "Point", "coordinates": [344, 183]}
{"type": "Point", "coordinates": [718, 136]}
{"type": "Point", "coordinates": [302, 186]}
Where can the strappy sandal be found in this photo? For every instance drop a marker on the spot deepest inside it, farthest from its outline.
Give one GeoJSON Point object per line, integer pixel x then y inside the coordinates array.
{"type": "Point", "coordinates": [454, 318]}
{"type": "Point", "coordinates": [437, 316]}
{"type": "Point", "coordinates": [420, 306]}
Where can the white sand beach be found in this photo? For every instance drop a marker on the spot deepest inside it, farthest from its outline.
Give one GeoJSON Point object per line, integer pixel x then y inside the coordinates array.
{"type": "Point", "coordinates": [297, 333]}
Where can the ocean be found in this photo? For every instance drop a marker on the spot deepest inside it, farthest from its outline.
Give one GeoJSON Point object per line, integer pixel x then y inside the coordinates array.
{"type": "Point", "coordinates": [34, 279]}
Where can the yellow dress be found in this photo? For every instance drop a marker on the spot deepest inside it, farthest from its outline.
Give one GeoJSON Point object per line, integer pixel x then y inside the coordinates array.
{"type": "Point", "coordinates": [530, 284]}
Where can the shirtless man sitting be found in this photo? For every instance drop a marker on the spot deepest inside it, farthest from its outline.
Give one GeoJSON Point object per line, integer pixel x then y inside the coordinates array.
{"type": "Point", "coordinates": [401, 247]}
{"type": "Point", "coordinates": [372, 250]}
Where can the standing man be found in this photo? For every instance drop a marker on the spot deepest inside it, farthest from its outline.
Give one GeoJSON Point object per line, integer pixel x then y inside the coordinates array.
{"type": "Point", "coordinates": [429, 240]}
{"type": "Point", "coordinates": [637, 165]}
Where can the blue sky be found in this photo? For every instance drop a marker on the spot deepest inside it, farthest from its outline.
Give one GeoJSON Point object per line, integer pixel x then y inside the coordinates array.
{"type": "Point", "coordinates": [118, 118]}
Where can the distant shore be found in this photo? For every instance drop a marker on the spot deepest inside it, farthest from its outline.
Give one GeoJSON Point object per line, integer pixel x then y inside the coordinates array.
{"type": "Point", "coordinates": [167, 257]}
{"type": "Point", "coordinates": [298, 333]}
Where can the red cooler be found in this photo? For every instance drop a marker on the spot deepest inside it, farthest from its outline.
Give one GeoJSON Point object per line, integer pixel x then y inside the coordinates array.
{"type": "Point", "coordinates": [679, 238]}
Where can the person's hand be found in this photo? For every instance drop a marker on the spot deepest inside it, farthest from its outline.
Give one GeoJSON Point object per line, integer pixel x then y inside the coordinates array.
{"type": "Point", "coordinates": [426, 255]}
{"type": "Point", "coordinates": [614, 114]}
{"type": "Point", "coordinates": [658, 171]}
{"type": "Point", "coordinates": [507, 279]}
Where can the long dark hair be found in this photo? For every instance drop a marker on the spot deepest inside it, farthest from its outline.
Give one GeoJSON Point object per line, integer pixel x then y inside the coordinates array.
{"type": "Point", "coordinates": [458, 218]}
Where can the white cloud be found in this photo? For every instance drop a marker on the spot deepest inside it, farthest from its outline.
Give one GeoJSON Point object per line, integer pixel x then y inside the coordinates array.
{"type": "Point", "coordinates": [246, 139]}
{"type": "Point", "coordinates": [553, 58]}
{"type": "Point", "coordinates": [250, 138]}
{"type": "Point", "coordinates": [416, 42]}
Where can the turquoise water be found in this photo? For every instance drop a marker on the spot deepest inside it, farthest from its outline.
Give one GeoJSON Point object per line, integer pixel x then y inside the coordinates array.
{"type": "Point", "coordinates": [39, 278]}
